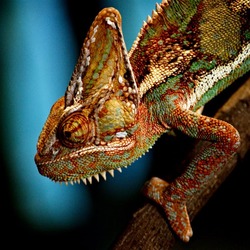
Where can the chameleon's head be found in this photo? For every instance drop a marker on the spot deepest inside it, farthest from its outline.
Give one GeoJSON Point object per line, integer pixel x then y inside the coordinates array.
{"type": "Point", "coordinates": [92, 128]}
{"type": "Point", "coordinates": [78, 143]}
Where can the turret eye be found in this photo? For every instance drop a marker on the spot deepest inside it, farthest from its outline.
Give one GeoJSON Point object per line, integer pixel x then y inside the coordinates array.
{"type": "Point", "coordinates": [73, 130]}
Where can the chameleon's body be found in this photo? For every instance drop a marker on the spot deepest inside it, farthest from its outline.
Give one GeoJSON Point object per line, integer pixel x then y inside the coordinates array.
{"type": "Point", "coordinates": [117, 104]}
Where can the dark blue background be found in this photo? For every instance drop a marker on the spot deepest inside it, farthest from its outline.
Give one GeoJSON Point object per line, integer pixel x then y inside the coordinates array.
{"type": "Point", "coordinates": [40, 43]}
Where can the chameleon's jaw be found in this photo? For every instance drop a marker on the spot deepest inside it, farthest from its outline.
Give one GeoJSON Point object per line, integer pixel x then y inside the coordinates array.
{"type": "Point", "coordinates": [84, 164]}
{"type": "Point", "coordinates": [72, 179]}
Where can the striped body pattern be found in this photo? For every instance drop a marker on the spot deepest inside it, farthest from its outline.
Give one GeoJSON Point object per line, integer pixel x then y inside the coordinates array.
{"type": "Point", "coordinates": [119, 103]}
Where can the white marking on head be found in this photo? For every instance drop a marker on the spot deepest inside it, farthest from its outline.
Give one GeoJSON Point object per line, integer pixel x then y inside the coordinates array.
{"type": "Point", "coordinates": [121, 134]}
{"type": "Point", "coordinates": [112, 24]}
{"type": "Point", "coordinates": [120, 79]}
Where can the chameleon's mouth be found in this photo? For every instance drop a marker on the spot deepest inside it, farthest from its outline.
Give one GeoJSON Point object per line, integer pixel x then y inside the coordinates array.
{"type": "Point", "coordinates": [86, 180]}
{"type": "Point", "coordinates": [84, 164]}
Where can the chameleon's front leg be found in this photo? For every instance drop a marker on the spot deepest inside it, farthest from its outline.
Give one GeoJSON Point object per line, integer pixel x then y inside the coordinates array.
{"type": "Point", "coordinates": [224, 142]}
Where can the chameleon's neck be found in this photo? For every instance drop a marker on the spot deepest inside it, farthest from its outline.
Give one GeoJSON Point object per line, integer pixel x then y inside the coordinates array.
{"type": "Point", "coordinates": [149, 129]}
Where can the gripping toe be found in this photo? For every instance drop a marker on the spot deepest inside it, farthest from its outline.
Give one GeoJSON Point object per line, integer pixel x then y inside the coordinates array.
{"type": "Point", "coordinates": [157, 190]}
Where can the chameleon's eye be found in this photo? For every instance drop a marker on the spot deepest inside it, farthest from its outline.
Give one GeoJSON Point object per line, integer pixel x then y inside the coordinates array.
{"type": "Point", "coordinates": [73, 130]}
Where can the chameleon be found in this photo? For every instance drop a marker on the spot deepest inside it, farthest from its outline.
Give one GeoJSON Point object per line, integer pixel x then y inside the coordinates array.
{"type": "Point", "coordinates": [119, 102]}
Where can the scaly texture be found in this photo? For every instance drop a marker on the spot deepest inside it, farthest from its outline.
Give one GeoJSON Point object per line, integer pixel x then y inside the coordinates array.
{"type": "Point", "coordinates": [117, 104]}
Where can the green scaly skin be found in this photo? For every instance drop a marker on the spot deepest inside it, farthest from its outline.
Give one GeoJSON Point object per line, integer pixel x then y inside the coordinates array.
{"type": "Point", "coordinates": [118, 104]}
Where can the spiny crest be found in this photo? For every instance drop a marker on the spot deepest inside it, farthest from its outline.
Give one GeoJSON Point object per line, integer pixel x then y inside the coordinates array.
{"type": "Point", "coordinates": [146, 24]}
{"type": "Point", "coordinates": [161, 50]}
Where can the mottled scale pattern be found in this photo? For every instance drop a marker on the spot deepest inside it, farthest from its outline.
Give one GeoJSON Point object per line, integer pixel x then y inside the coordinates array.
{"type": "Point", "coordinates": [118, 103]}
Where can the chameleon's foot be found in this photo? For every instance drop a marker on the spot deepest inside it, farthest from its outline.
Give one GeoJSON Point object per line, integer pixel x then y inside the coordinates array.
{"type": "Point", "coordinates": [178, 218]}
{"type": "Point", "coordinates": [175, 211]}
